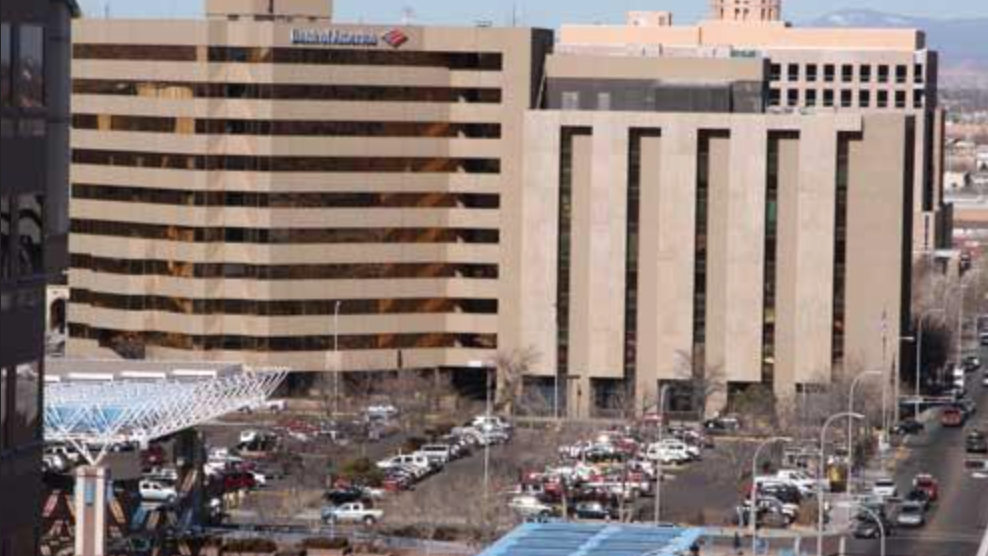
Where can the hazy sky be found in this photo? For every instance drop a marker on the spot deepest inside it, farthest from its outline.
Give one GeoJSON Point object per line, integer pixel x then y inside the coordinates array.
{"type": "Point", "coordinates": [543, 13]}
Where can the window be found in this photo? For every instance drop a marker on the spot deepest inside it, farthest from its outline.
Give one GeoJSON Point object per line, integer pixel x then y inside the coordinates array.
{"type": "Point", "coordinates": [883, 99]}
{"type": "Point", "coordinates": [811, 73]}
{"type": "Point", "coordinates": [5, 58]}
{"type": "Point", "coordinates": [918, 98]}
{"type": "Point", "coordinates": [828, 97]}
{"type": "Point", "coordinates": [811, 97]}
{"type": "Point", "coordinates": [571, 100]}
{"type": "Point", "coordinates": [26, 419]}
{"type": "Point", "coordinates": [864, 98]}
{"type": "Point", "coordinates": [5, 404]}
{"type": "Point", "coordinates": [775, 72]}
{"type": "Point", "coordinates": [901, 73]}
{"type": "Point", "coordinates": [793, 72]}
{"type": "Point", "coordinates": [918, 74]}
{"type": "Point", "coordinates": [866, 74]}
{"type": "Point", "coordinates": [31, 127]}
{"type": "Point", "coordinates": [6, 230]}
{"type": "Point", "coordinates": [846, 99]}
{"type": "Point", "coordinates": [829, 71]}
{"type": "Point", "coordinates": [900, 99]}
{"type": "Point", "coordinates": [847, 73]}
{"type": "Point", "coordinates": [30, 82]}
{"type": "Point", "coordinates": [774, 97]}
{"type": "Point", "coordinates": [883, 74]}
{"type": "Point", "coordinates": [792, 97]}
{"type": "Point", "coordinates": [30, 235]}
{"type": "Point", "coordinates": [604, 101]}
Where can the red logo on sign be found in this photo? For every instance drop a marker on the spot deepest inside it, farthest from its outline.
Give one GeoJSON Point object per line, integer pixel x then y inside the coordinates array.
{"type": "Point", "coordinates": [395, 38]}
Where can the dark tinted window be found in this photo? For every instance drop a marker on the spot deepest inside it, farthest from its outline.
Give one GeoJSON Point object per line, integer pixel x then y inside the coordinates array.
{"type": "Point", "coordinates": [30, 82]}
{"type": "Point", "coordinates": [30, 235]}
{"type": "Point", "coordinates": [5, 61]}
{"type": "Point", "coordinates": [6, 238]}
{"type": "Point", "coordinates": [26, 419]}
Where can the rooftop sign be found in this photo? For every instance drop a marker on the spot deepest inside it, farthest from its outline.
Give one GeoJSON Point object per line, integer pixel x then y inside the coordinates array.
{"type": "Point", "coordinates": [338, 37]}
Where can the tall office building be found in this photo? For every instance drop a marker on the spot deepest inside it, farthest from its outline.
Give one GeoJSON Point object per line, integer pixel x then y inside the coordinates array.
{"type": "Point", "coordinates": [267, 185]}
{"type": "Point", "coordinates": [34, 113]}
{"type": "Point", "coordinates": [866, 71]}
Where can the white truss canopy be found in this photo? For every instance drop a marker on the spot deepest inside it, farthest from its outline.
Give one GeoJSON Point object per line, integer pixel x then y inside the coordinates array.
{"type": "Point", "coordinates": [94, 416]}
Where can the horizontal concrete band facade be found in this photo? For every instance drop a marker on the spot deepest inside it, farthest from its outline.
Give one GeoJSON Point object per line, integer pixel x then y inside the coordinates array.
{"type": "Point", "coordinates": [241, 191]}
{"type": "Point", "coordinates": [827, 311]}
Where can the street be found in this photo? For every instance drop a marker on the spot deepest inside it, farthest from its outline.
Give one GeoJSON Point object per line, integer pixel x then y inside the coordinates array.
{"type": "Point", "coordinates": [957, 524]}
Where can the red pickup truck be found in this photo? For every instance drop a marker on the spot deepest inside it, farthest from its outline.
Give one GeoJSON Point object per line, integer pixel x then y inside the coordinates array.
{"type": "Point", "coordinates": [952, 417]}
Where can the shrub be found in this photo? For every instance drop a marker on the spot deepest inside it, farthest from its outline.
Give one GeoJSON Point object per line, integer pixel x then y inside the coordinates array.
{"type": "Point", "coordinates": [326, 543]}
{"type": "Point", "coordinates": [255, 546]}
{"type": "Point", "coordinates": [362, 471]}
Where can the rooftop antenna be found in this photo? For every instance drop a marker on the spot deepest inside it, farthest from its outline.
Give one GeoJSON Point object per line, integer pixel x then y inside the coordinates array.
{"type": "Point", "coordinates": [514, 14]}
{"type": "Point", "coordinates": [106, 10]}
{"type": "Point", "coordinates": [407, 15]}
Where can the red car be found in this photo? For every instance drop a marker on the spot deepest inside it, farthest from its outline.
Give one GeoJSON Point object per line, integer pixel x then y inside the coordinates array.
{"type": "Point", "coordinates": [926, 483]}
{"type": "Point", "coordinates": [238, 480]}
{"type": "Point", "coordinates": [952, 417]}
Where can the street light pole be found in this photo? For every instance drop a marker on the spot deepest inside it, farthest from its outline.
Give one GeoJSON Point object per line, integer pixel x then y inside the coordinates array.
{"type": "Point", "coordinates": [336, 359]}
{"type": "Point", "coordinates": [753, 511]}
{"type": "Point", "coordinates": [658, 459]}
{"type": "Point", "coordinates": [881, 526]}
{"type": "Point", "coordinates": [822, 473]}
{"type": "Point", "coordinates": [850, 422]}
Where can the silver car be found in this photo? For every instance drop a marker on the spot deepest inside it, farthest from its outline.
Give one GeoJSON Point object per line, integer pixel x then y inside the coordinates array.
{"type": "Point", "coordinates": [911, 514]}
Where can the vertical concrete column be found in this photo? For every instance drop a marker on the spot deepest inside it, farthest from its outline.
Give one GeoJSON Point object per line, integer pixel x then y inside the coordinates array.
{"type": "Point", "coordinates": [90, 510]}
{"type": "Point", "coordinates": [667, 259]}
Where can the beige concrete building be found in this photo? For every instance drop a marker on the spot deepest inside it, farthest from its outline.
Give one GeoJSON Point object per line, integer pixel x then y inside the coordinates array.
{"type": "Point", "coordinates": [811, 70]}
{"type": "Point", "coordinates": [767, 249]}
{"type": "Point", "coordinates": [272, 186]}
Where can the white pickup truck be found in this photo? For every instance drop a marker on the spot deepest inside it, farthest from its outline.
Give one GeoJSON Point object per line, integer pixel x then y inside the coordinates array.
{"type": "Point", "coordinates": [351, 512]}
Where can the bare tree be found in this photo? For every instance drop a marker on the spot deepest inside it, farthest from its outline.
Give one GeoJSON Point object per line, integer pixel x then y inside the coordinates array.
{"type": "Point", "coordinates": [512, 367]}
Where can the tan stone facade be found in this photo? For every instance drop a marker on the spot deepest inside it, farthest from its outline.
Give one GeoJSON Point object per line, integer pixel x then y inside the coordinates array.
{"type": "Point", "coordinates": [812, 70]}
{"type": "Point", "coordinates": [287, 191]}
{"type": "Point", "coordinates": [810, 208]}
{"type": "Point", "coordinates": [236, 184]}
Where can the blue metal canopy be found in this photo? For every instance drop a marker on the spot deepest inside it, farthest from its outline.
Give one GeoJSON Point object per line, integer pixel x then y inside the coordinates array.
{"type": "Point", "coordinates": [585, 539]}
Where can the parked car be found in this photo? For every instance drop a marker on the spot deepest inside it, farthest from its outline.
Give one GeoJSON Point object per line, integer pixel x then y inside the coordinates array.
{"type": "Point", "coordinates": [806, 484]}
{"type": "Point", "coordinates": [722, 425]}
{"type": "Point", "coordinates": [418, 461]}
{"type": "Point", "coordinates": [597, 510]}
{"type": "Point", "coordinates": [351, 512]}
{"type": "Point", "coordinates": [911, 514]}
{"type": "Point", "coordinates": [440, 454]}
{"type": "Point", "coordinates": [976, 443]}
{"type": "Point", "coordinates": [340, 496]}
{"type": "Point", "coordinates": [530, 507]}
{"type": "Point", "coordinates": [156, 491]}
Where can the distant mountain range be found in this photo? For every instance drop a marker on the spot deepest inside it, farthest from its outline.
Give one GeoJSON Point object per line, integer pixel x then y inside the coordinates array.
{"type": "Point", "coordinates": [962, 43]}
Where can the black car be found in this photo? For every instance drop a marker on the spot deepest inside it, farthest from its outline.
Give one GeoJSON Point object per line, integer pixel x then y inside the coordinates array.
{"type": "Point", "coordinates": [866, 527]}
{"type": "Point", "coordinates": [976, 443]}
{"type": "Point", "coordinates": [908, 427]}
{"type": "Point", "coordinates": [341, 496]}
{"type": "Point", "coordinates": [919, 496]}
{"type": "Point", "coordinates": [787, 494]}
{"type": "Point", "coordinates": [596, 510]}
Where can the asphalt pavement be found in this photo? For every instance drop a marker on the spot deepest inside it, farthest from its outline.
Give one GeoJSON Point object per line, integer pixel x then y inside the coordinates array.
{"type": "Point", "coordinates": [958, 521]}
